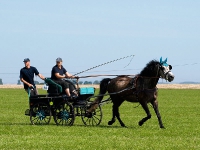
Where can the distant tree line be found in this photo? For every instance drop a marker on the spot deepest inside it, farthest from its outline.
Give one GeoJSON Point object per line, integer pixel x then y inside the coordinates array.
{"type": "Point", "coordinates": [74, 81]}
{"type": "Point", "coordinates": [1, 82]}
{"type": "Point", "coordinates": [96, 82]}
{"type": "Point", "coordinates": [86, 82]}
{"type": "Point", "coordinates": [18, 82]}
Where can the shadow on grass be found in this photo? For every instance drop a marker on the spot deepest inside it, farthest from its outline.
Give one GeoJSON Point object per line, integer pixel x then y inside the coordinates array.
{"type": "Point", "coordinates": [11, 123]}
{"type": "Point", "coordinates": [106, 126]}
{"type": "Point", "coordinates": [75, 125]}
{"type": "Point", "coordinates": [24, 124]}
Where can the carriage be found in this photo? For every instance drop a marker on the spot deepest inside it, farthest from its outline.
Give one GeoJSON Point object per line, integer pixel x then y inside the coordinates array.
{"type": "Point", "coordinates": [55, 104]}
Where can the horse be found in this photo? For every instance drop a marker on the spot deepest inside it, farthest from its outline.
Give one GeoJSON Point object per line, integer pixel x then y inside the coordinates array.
{"type": "Point", "coordinates": [141, 89]}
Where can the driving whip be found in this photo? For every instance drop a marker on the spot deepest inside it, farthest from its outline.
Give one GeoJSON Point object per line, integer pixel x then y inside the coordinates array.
{"type": "Point", "coordinates": [105, 64]}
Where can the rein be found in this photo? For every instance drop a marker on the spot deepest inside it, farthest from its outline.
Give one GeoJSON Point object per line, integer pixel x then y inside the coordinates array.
{"type": "Point", "coordinates": [103, 75]}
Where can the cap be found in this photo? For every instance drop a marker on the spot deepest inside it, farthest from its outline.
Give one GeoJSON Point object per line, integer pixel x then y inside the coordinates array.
{"type": "Point", "coordinates": [26, 60]}
{"type": "Point", "coordinates": [59, 59]}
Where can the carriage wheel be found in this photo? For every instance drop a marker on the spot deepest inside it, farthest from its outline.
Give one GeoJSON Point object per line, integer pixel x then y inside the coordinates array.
{"type": "Point", "coordinates": [40, 114]}
{"type": "Point", "coordinates": [91, 118]}
{"type": "Point", "coordinates": [64, 114]}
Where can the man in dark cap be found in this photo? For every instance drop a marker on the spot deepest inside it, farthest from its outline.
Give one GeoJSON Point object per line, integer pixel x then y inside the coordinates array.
{"type": "Point", "coordinates": [27, 77]}
{"type": "Point", "coordinates": [59, 73]}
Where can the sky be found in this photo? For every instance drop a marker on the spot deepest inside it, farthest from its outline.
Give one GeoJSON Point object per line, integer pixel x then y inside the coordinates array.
{"type": "Point", "coordinates": [89, 33]}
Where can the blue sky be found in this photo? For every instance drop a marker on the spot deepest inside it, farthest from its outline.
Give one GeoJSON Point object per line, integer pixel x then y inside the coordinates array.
{"type": "Point", "coordinates": [88, 33]}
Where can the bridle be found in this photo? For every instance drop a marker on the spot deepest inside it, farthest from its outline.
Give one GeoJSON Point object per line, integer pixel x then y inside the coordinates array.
{"type": "Point", "coordinates": [164, 73]}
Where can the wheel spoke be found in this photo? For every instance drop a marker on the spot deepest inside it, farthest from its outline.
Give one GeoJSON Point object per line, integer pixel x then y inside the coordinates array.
{"type": "Point", "coordinates": [96, 117]}
{"type": "Point", "coordinates": [87, 120]}
{"type": "Point", "coordinates": [93, 120]}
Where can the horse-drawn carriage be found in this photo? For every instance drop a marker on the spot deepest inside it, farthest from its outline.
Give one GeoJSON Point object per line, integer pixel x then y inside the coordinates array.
{"type": "Point", "coordinates": [62, 108]}
{"type": "Point", "coordinates": [140, 89]}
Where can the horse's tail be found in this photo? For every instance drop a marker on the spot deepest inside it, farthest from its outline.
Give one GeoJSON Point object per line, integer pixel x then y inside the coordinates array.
{"type": "Point", "coordinates": [103, 88]}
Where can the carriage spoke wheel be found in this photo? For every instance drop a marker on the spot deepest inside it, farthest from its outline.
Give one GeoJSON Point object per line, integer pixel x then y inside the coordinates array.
{"type": "Point", "coordinates": [40, 114]}
{"type": "Point", "coordinates": [91, 118]}
{"type": "Point", "coordinates": [64, 114]}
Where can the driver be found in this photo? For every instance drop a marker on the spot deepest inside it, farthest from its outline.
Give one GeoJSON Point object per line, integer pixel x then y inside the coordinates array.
{"type": "Point", "coordinates": [58, 73]}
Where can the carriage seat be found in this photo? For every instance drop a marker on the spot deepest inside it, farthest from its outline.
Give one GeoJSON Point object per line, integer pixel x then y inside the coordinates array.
{"type": "Point", "coordinates": [54, 88]}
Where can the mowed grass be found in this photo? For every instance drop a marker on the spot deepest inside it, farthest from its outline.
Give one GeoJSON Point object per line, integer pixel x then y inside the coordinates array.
{"type": "Point", "coordinates": [180, 111]}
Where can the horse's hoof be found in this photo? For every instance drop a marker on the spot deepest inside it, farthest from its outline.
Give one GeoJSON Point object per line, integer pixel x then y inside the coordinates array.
{"type": "Point", "coordinates": [110, 123]}
{"type": "Point", "coordinates": [124, 126]}
{"type": "Point", "coordinates": [162, 127]}
{"type": "Point", "coordinates": [140, 123]}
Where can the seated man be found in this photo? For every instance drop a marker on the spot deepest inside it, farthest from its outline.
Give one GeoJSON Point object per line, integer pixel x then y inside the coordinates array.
{"type": "Point", "coordinates": [58, 73]}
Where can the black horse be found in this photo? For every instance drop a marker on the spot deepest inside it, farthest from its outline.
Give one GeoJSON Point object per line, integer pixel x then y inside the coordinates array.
{"type": "Point", "coordinates": [142, 89]}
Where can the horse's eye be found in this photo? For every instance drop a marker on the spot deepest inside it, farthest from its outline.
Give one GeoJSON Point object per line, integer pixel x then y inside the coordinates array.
{"type": "Point", "coordinates": [170, 67]}
{"type": "Point", "coordinates": [161, 68]}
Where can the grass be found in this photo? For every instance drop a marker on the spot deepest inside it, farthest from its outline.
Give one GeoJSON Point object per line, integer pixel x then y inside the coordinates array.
{"type": "Point", "coordinates": [179, 110]}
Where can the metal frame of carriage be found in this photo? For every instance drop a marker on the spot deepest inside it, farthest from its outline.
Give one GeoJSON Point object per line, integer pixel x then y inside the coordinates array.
{"type": "Point", "coordinates": [42, 108]}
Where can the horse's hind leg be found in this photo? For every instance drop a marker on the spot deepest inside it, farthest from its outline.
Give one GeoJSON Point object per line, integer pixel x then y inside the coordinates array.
{"type": "Point", "coordinates": [155, 106]}
{"type": "Point", "coordinates": [113, 118]}
{"type": "Point", "coordinates": [116, 113]}
{"type": "Point", "coordinates": [145, 107]}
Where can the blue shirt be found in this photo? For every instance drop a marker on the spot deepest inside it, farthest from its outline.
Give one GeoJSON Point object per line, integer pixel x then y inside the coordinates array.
{"type": "Point", "coordinates": [28, 75]}
{"type": "Point", "coordinates": [56, 69]}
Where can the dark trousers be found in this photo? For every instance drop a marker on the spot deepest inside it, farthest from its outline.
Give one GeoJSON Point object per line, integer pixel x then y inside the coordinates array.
{"type": "Point", "coordinates": [32, 92]}
{"type": "Point", "coordinates": [66, 84]}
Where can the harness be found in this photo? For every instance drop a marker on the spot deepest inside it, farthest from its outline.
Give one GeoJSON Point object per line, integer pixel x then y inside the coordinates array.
{"type": "Point", "coordinates": [133, 87]}
{"type": "Point", "coordinates": [136, 91]}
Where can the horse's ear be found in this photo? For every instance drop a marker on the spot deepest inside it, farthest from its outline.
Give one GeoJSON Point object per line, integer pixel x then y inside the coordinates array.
{"type": "Point", "coordinates": [165, 60]}
{"type": "Point", "coordinates": [160, 59]}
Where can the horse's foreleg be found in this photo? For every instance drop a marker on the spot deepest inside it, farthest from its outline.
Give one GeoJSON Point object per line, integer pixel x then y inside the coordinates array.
{"type": "Point", "coordinates": [145, 107]}
{"type": "Point", "coordinates": [116, 113]}
{"type": "Point", "coordinates": [155, 106]}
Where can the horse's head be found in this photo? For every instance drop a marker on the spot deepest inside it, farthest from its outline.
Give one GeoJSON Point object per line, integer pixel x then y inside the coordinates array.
{"type": "Point", "coordinates": [165, 70]}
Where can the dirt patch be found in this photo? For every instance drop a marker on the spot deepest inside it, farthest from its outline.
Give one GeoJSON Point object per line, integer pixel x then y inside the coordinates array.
{"type": "Point", "coordinates": [160, 86]}
{"type": "Point", "coordinates": [179, 86]}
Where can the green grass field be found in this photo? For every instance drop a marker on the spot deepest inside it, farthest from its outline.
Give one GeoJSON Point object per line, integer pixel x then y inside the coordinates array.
{"type": "Point", "coordinates": [180, 111]}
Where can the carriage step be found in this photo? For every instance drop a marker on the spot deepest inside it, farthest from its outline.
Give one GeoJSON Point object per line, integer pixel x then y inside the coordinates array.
{"type": "Point", "coordinates": [79, 104]}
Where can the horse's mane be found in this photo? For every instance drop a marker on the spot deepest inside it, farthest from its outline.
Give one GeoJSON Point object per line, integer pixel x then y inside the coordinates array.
{"type": "Point", "coordinates": [148, 70]}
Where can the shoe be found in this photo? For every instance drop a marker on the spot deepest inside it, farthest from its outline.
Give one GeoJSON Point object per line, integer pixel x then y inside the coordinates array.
{"type": "Point", "coordinates": [74, 97]}
{"type": "Point", "coordinates": [70, 98]}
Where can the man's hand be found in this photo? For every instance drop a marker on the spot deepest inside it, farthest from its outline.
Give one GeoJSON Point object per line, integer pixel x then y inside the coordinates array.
{"type": "Point", "coordinates": [76, 77]}
{"type": "Point", "coordinates": [31, 86]}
